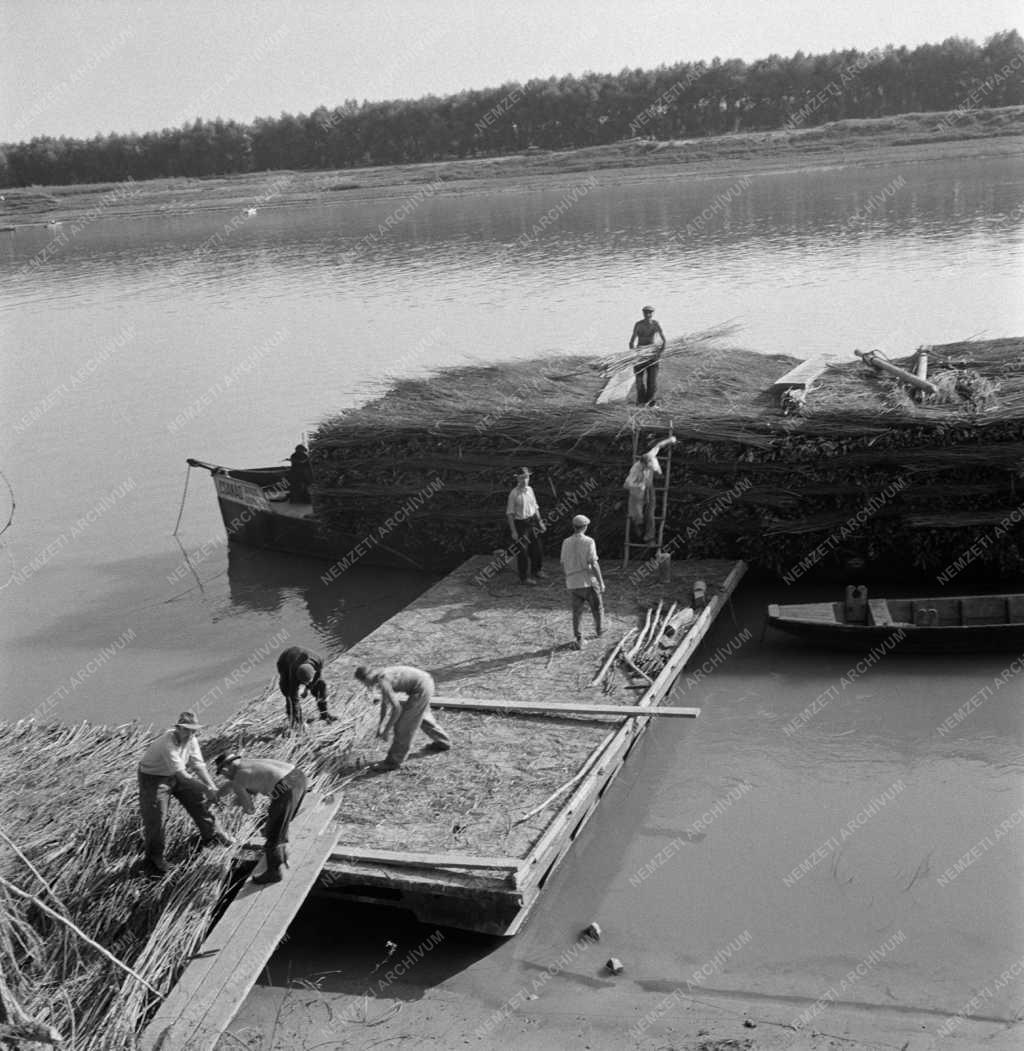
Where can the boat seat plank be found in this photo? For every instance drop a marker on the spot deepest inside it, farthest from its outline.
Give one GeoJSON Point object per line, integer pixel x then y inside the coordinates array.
{"type": "Point", "coordinates": [625, 711]}
{"type": "Point", "coordinates": [1015, 609]}
{"type": "Point", "coordinates": [880, 615]}
{"type": "Point", "coordinates": [208, 994]}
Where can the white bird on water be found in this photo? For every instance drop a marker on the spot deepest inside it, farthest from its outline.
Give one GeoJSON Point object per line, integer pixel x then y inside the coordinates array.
{"type": "Point", "coordinates": [250, 211]}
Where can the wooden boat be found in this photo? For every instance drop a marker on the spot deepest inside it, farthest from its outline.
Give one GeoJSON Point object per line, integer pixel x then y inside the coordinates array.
{"type": "Point", "coordinates": [961, 623]}
{"type": "Point", "coordinates": [257, 510]}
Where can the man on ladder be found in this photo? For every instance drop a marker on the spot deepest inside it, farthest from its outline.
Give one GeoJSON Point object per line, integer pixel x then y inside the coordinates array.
{"type": "Point", "coordinates": [645, 524]}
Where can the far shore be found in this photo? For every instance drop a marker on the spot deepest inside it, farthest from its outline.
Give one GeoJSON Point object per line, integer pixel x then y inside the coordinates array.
{"type": "Point", "coordinates": [910, 138]}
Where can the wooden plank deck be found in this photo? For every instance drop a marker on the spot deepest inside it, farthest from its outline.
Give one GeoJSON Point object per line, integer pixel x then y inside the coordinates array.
{"type": "Point", "coordinates": [208, 994]}
{"type": "Point", "coordinates": [488, 638]}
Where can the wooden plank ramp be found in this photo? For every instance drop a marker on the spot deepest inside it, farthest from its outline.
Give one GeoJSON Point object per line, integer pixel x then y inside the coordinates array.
{"type": "Point", "coordinates": [214, 985]}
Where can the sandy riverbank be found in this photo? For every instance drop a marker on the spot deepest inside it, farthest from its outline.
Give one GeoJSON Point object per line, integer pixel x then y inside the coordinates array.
{"type": "Point", "coordinates": [911, 138]}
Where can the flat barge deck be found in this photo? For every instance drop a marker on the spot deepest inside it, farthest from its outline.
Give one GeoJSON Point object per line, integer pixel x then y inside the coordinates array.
{"type": "Point", "coordinates": [463, 838]}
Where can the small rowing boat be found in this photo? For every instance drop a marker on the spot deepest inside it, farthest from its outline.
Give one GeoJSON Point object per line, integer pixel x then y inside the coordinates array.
{"type": "Point", "coordinates": [961, 623]}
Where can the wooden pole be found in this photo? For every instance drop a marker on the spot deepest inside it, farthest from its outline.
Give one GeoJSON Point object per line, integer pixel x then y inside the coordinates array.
{"type": "Point", "coordinates": [624, 711]}
{"type": "Point", "coordinates": [85, 937]}
{"type": "Point", "coordinates": [872, 358]}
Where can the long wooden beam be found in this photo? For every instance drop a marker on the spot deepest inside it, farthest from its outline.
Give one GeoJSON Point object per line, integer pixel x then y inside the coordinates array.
{"type": "Point", "coordinates": [625, 711]}
{"type": "Point", "coordinates": [449, 859]}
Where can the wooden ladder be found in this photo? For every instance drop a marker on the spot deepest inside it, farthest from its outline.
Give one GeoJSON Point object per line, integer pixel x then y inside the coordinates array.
{"type": "Point", "coordinates": [660, 504]}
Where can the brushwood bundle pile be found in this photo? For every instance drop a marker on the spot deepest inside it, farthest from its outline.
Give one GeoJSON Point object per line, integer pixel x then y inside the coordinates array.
{"type": "Point", "coordinates": [70, 886]}
{"type": "Point", "coordinates": [863, 471]}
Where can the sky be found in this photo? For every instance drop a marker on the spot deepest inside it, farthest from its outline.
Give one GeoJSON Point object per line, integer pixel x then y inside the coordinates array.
{"type": "Point", "coordinates": [89, 67]}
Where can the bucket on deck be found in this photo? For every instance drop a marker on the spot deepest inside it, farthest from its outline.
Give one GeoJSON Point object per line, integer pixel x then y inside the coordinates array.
{"type": "Point", "coordinates": [664, 560]}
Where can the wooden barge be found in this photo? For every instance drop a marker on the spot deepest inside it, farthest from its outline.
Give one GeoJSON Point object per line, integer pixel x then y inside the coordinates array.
{"type": "Point", "coordinates": [447, 836]}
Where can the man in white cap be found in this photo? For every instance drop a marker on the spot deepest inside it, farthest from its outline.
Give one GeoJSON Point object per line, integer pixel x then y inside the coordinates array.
{"type": "Point", "coordinates": [526, 525]}
{"type": "Point", "coordinates": [646, 367]}
{"type": "Point", "coordinates": [583, 577]}
{"type": "Point", "coordinates": [173, 765]}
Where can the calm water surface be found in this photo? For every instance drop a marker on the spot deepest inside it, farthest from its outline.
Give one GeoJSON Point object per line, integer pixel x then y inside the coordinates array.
{"type": "Point", "coordinates": [133, 347]}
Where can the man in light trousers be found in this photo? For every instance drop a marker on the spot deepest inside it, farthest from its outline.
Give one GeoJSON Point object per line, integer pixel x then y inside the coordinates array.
{"type": "Point", "coordinates": [404, 718]}
{"type": "Point", "coordinates": [583, 578]}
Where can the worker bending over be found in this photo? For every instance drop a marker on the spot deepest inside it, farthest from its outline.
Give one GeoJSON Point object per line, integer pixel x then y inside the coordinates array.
{"type": "Point", "coordinates": [404, 718]}
{"type": "Point", "coordinates": [286, 785]}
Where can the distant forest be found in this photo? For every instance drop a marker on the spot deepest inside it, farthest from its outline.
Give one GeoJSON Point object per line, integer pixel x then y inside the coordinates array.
{"type": "Point", "coordinates": [682, 101]}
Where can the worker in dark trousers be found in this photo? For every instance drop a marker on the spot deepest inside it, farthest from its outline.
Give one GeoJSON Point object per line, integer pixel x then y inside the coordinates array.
{"type": "Point", "coordinates": [526, 525]}
{"type": "Point", "coordinates": [300, 675]}
{"type": "Point", "coordinates": [284, 783]}
{"type": "Point", "coordinates": [646, 367]}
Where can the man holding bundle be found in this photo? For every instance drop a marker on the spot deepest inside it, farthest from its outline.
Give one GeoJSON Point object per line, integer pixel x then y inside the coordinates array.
{"type": "Point", "coordinates": [404, 718]}
{"type": "Point", "coordinates": [286, 785]}
{"type": "Point", "coordinates": [173, 765]}
{"type": "Point", "coordinates": [646, 367]}
{"type": "Point", "coordinates": [526, 526]}
{"type": "Point", "coordinates": [299, 672]}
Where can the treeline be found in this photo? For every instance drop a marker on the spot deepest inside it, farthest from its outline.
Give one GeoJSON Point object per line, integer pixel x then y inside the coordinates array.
{"type": "Point", "coordinates": [681, 101]}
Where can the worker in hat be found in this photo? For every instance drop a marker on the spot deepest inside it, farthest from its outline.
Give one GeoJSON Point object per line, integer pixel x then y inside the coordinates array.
{"type": "Point", "coordinates": [173, 765]}
{"type": "Point", "coordinates": [286, 786]}
{"type": "Point", "coordinates": [403, 718]}
{"type": "Point", "coordinates": [583, 578]}
{"type": "Point", "coordinates": [646, 367]}
{"type": "Point", "coordinates": [526, 525]}
{"type": "Point", "coordinates": [300, 676]}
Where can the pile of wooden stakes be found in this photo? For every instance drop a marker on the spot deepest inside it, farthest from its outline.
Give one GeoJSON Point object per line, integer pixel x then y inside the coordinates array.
{"type": "Point", "coordinates": [643, 651]}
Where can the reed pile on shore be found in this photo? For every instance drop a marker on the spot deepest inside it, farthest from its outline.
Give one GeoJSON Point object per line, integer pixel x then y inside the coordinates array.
{"type": "Point", "coordinates": [70, 886]}
{"type": "Point", "coordinates": [426, 468]}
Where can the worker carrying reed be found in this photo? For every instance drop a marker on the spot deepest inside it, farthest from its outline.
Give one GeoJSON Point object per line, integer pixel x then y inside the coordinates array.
{"type": "Point", "coordinates": [300, 675]}
{"type": "Point", "coordinates": [173, 767]}
{"type": "Point", "coordinates": [646, 367]}
{"type": "Point", "coordinates": [403, 718]}
{"type": "Point", "coordinates": [286, 786]}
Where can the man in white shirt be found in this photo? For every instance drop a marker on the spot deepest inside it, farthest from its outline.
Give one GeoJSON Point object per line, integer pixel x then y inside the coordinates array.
{"type": "Point", "coordinates": [583, 578]}
{"type": "Point", "coordinates": [173, 765]}
{"type": "Point", "coordinates": [284, 783]}
{"type": "Point", "coordinates": [526, 525]}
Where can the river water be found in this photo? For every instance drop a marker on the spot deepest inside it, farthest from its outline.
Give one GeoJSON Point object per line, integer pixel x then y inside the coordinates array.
{"type": "Point", "coordinates": [138, 343]}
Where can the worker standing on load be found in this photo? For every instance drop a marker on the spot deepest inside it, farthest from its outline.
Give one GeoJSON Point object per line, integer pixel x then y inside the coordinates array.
{"type": "Point", "coordinates": [526, 525]}
{"type": "Point", "coordinates": [300, 676]}
{"type": "Point", "coordinates": [286, 785]}
{"type": "Point", "coordinates": [646, 368]}
{"type": "Point", "coordinates": [404, 718]}
{"type": "Point", "coordinates": [173, 765]}
{"type": "Point", "coordinates": [583, 578]}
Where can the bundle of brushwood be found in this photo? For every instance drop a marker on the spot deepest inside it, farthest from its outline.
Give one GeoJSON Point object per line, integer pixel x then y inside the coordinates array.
{"type": "Point", "coordinates": [88, 946]}
{"type": "Point", "coordinates": [644, 651]}
{"type": "Point", "coordinates": [864, 472]}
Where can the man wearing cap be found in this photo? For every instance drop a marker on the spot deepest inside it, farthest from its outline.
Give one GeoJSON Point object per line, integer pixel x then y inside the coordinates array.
{"type": "Point", "coordinates": [583, 578]}
{"type": "Point", "coordinates": [405, 718]}
{"type": "Point", "coordinates": [526, 525]}
{"type": "Point", "coordinates": [646, 367]}
{"type": "Point", "coordinates": [299, 672]}
{"type": "Point", "coordinates": [286, 786]}
{"type": "Point", "coordinates": [173, 765]}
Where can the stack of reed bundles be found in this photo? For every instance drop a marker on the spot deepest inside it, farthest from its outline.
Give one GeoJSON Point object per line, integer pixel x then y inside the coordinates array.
{"type": "Point", "coordinates": [429, 464]}
{"type": "Point", "coordinates": [70, 840]}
